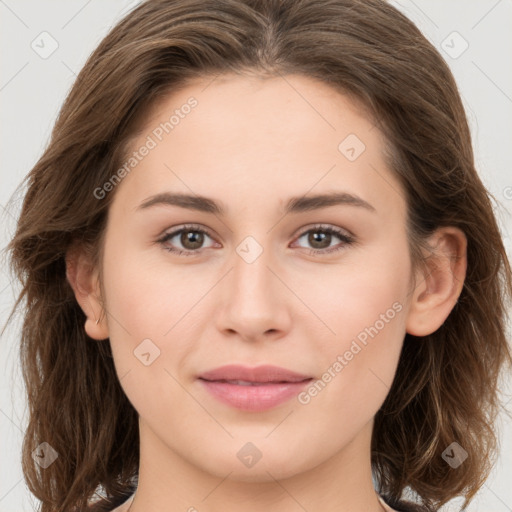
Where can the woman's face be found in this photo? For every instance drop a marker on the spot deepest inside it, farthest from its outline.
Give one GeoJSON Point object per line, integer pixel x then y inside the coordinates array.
{"type": "Point", "coordinates": [265, 284]}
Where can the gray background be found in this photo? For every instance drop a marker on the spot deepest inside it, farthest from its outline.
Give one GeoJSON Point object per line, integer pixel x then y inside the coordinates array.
{"type": "Point", "coordinates": [33, 86]}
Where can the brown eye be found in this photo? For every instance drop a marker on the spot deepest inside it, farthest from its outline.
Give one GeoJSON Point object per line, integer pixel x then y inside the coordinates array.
{"type": "Point", "coordinates": [191, 239]}
{"type": "Point", "coordinates": [320, 239]}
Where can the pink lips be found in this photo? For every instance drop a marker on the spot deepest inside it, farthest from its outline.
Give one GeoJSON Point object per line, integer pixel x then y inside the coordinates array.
{"type": "Point", "coordinates": [261, 388]}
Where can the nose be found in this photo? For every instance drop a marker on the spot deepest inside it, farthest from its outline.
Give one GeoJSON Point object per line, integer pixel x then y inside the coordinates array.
{"type": "Point", "coordinates": [255, 301]}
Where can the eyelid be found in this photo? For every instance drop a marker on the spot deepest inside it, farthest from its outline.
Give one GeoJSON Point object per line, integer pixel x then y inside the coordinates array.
{"type": "Point", "coordinates": [183, 227]}
{"type": "Point", "coordinates": [172, 232]}
{"type": "Point", "coordinates": [320, 225]}
{"type": "Point", "coordinates": [346, 237]}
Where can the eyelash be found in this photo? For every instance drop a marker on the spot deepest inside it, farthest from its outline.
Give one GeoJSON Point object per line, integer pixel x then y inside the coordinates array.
{"type": "Point", "coordinates": [346, 239]}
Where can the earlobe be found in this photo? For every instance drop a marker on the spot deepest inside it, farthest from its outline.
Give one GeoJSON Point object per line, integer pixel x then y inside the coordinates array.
{"type": "Point", "coordinates": [83, 279]}
{"type": "Point", "coordinates": [439, 287]}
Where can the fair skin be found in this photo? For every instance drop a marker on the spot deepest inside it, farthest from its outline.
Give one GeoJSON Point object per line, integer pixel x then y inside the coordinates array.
{"type": "Point", "coordinates": [251, 144]}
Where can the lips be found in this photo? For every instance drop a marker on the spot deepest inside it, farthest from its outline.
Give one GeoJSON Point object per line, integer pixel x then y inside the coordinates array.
{"type": "Point", "coordinates": [243, 375]}
{"type": "Point", "coordinates": [253, 389]}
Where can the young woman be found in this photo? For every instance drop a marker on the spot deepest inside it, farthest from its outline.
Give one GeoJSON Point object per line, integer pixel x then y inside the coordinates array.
{"type": "Point", "coordinates": [260, 270]}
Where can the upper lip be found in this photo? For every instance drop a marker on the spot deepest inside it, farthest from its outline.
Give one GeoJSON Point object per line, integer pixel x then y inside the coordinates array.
{"type": "Point", "coordinates": [264, 373]}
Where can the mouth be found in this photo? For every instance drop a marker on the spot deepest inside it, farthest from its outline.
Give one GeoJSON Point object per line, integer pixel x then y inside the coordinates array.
{"type": "Point", "coordinates": [253, 396]}
{"type": "Point", "coordinates": [253, 389]}
{"type": "Point", "coordinates": [255, 383]}
{"type": "Point", "coordinates": [246, 375]}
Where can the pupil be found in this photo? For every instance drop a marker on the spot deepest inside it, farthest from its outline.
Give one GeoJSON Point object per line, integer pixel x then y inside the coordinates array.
{"type": "Point", "coordinates": [322, 236]}
{"type": "Point", "coordinates": [192, 237]}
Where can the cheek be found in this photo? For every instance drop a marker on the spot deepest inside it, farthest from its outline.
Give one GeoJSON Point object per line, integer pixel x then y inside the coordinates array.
{"type": "Point", "coordinates": [143, 309]}
{"type": "Point", "coordinates": [364, 307]}
{"type": "Point", "coordinates": [154, 311]}
{"type": "Point", "coordinates": [369, 290]}
{"type": "Point", "coordinates": [148, 298]}
{"type": "Point", "coordinates": [350, 309]}
{"type": "Point", "coordinates": [143, 296]}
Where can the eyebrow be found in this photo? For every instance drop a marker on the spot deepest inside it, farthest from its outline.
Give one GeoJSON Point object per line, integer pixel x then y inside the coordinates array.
{"type": "Point", "coordinates": [293, 205]}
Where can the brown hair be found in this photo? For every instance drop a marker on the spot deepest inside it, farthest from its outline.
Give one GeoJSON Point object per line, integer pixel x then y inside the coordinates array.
{"type": "Point", "coordinates": [446, 385]}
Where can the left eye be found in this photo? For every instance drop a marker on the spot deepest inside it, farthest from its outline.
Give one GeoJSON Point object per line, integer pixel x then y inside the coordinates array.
{"type": "Point", "coordinates": [192, 238]}
{"type": "Point", "coordinates": [323, 236]}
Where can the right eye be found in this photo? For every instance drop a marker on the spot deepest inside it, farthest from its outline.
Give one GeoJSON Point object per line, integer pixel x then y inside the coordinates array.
{"type": "Point", "coordinates": [191, 237]}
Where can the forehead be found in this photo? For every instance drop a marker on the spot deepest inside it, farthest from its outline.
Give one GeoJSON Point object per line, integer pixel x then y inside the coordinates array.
{"type": "Point", "coordinates": [229, 102]}
{"type": "Point", "coordinates": [235, 137]}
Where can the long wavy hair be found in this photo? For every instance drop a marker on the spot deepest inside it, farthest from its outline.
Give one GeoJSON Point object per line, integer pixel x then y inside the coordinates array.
{"type": "Point", "coordinates": [446, 387]}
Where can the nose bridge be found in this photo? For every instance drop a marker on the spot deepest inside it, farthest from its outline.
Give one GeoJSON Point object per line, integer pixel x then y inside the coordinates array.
{"type": "Point", "coordinates": [251, 275]}
{"type": "Point", "coordinates": [253, 303]}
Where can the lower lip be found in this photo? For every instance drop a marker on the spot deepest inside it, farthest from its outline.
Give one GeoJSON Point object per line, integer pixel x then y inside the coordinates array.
{"type": "Point", "coordinates": [254, 398]}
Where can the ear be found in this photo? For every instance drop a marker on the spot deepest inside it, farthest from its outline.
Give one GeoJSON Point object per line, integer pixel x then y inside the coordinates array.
{"type": "Point", "coordinates": [83, 278]}
{"type": "Point", "coordinates": [438, 288]}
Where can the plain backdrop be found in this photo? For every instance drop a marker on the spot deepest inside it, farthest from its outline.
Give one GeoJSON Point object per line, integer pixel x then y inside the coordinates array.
{"type": "Point", "coordinates": [474, 37]}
